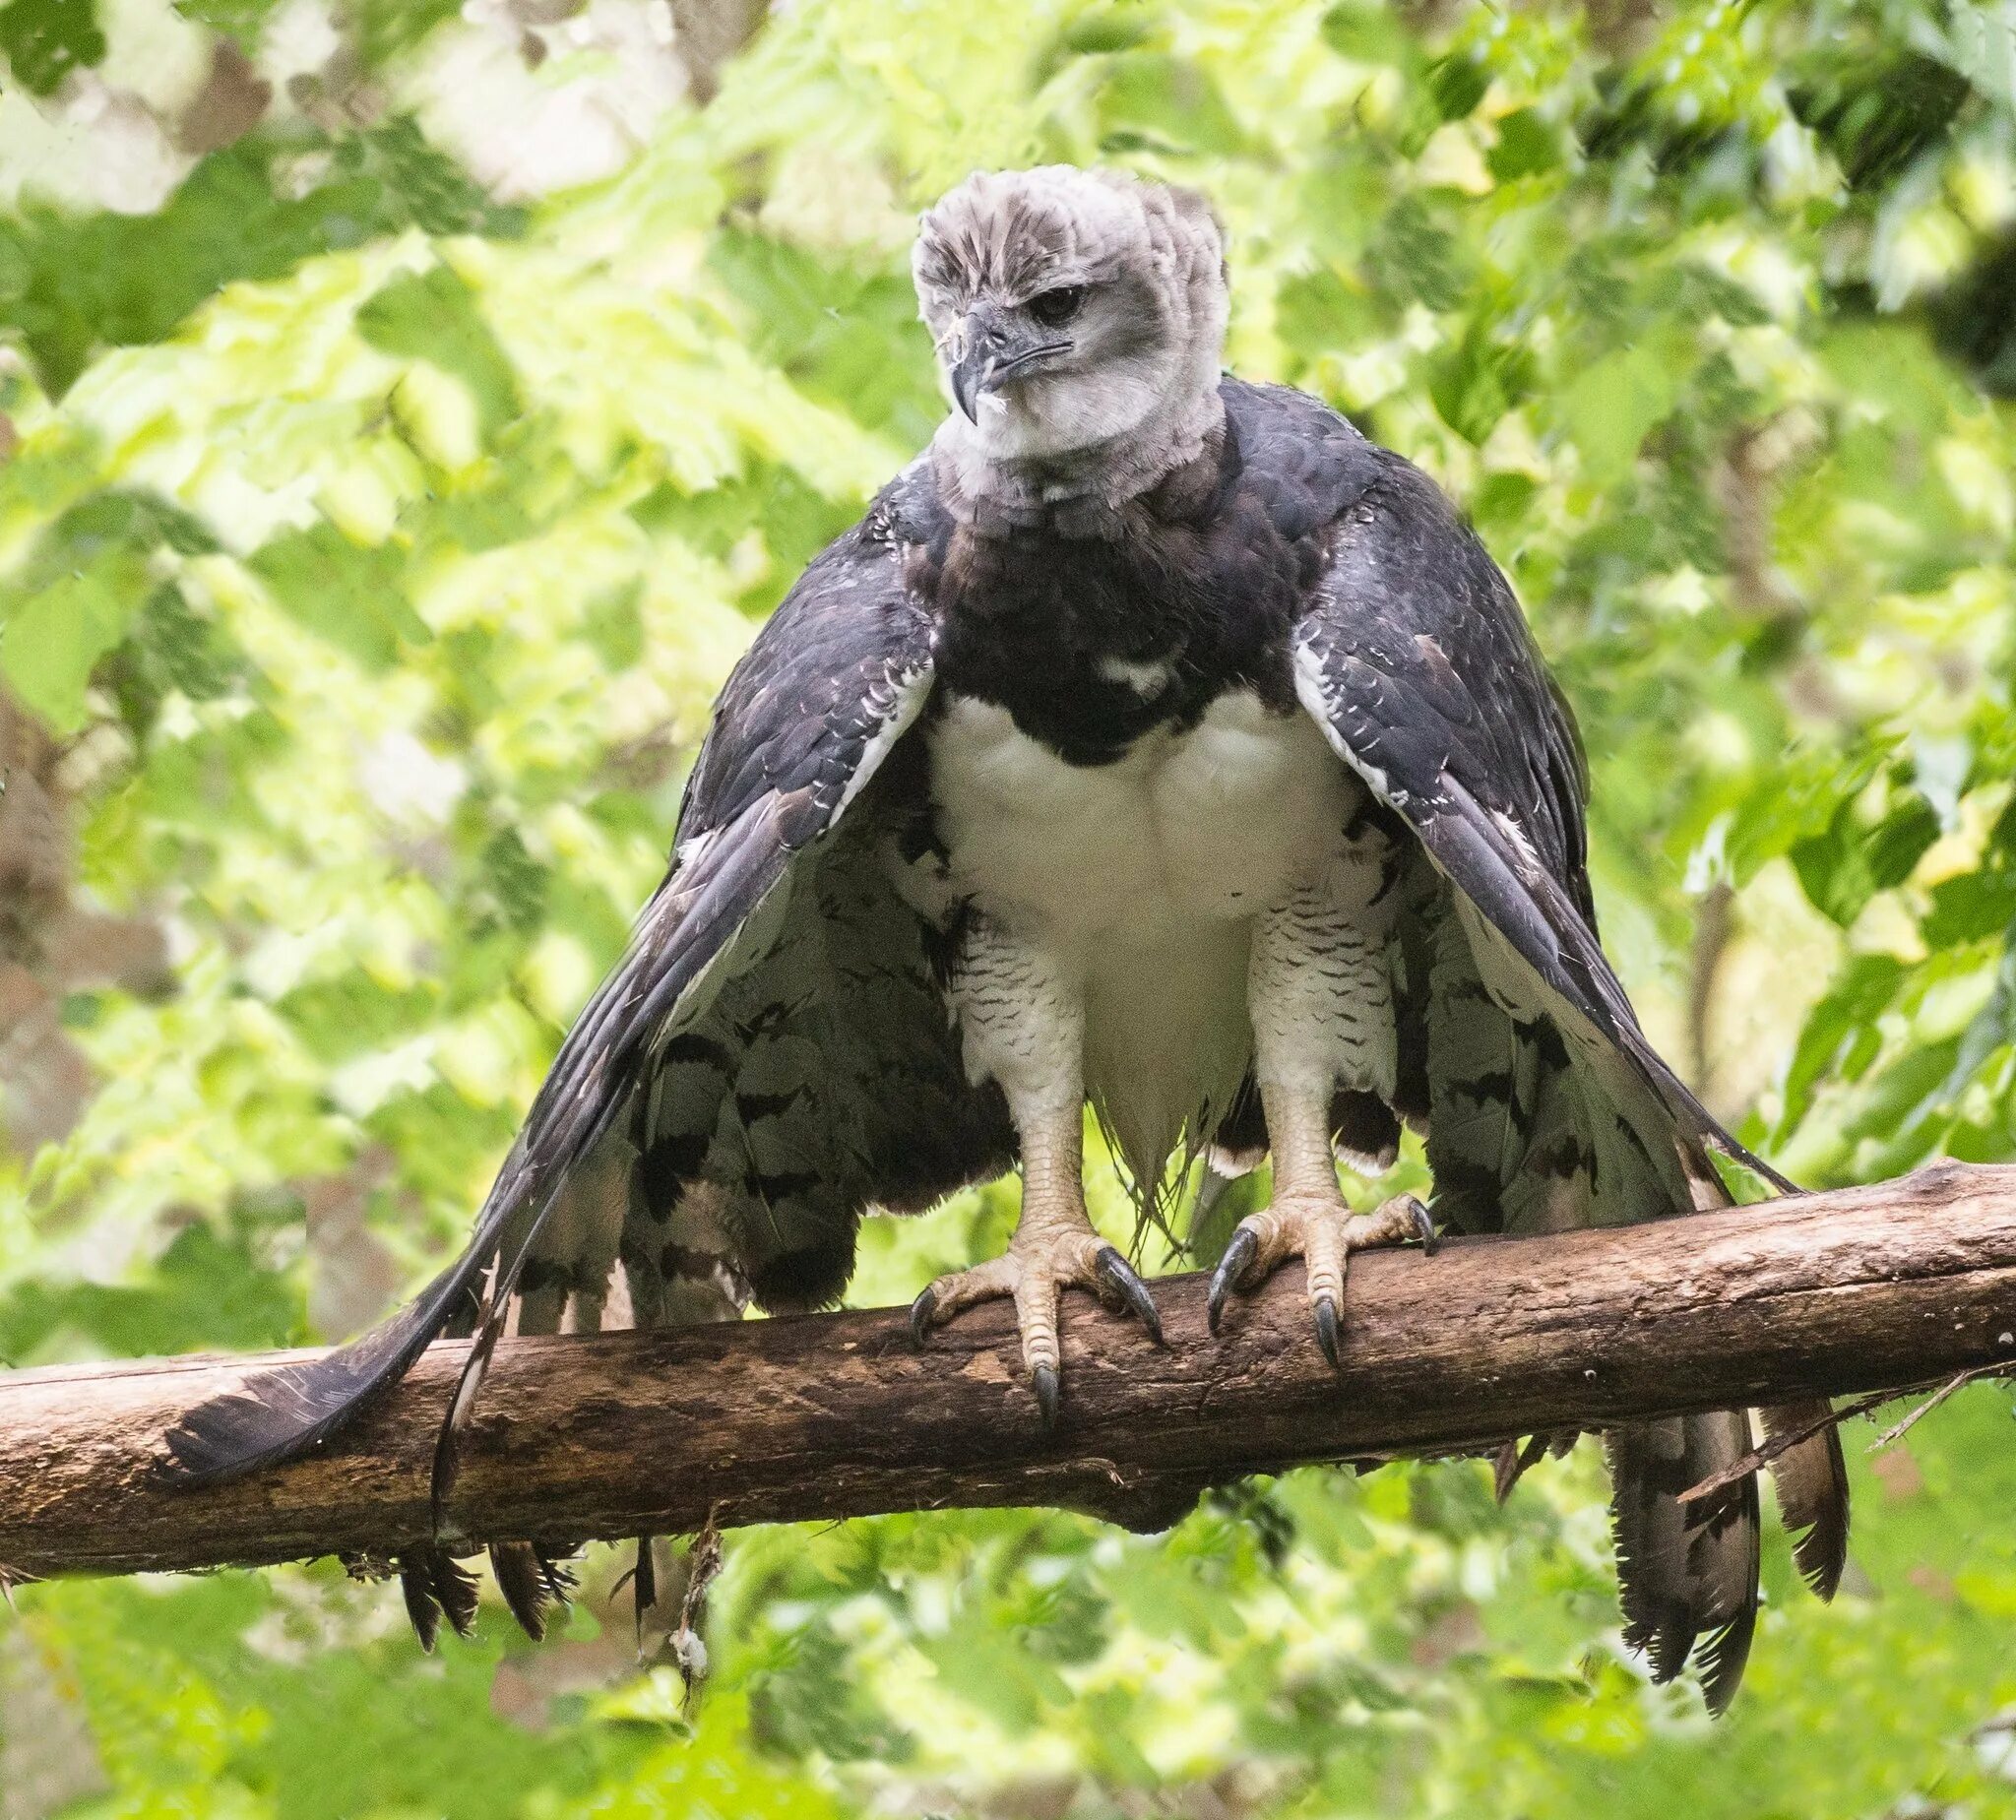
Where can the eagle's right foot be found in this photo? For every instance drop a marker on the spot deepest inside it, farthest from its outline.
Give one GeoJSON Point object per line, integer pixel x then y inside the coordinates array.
{"type": "Point", "coordinates": [1323, 1232]}
{"type": "Point", "coordinates": [1044, 1257]}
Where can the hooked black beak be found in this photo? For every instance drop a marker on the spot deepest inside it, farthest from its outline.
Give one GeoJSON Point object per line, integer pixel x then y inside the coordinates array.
{"type": "Point", "coordinates": [968, 376]}
{"type": "Point", "coordinates": [994, 349]}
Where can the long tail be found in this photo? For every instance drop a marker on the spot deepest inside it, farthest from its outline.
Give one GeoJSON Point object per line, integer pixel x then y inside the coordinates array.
{"type": "Point", "coordinates": [1685, 1578]}
{"type": "Point", "coordinates": [1536, 1125]}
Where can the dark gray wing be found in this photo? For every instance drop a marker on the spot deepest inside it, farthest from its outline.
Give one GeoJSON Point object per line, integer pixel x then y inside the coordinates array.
{"type": "Point", "coordinates": [810, 714]}
{"type": "Point", "coordinates": [1544, 1104]}
{"type": "Point", "coordinates": [1418, 664]}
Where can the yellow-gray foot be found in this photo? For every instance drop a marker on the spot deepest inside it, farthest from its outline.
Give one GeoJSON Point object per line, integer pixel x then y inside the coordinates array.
{"type": "Point", "coordinates": [1323, 1233]}
{"type": "Point", "coordinates": [1040, 1261]}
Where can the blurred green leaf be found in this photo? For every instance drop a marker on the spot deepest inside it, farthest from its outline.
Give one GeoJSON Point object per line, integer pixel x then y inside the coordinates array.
{"type": "Point", "coordinates": [1527, 145]}
{"type": "Point", "coordinates": [240, 19]}
{"type": "Point", "coordinates": [1845, 867]}
{"type": "Point", "coordinates": [95, 281]}
{"type": "Point", "coordinates": [51, 642]}
{"type": "Point", "coordinates": [45, 40]}
{"type": "Point", "coordinates": [1611, 407]}
{"type": "Point", "coordinates": [348, 594]}
{"type": "Point", "coordinates": [432, 316]}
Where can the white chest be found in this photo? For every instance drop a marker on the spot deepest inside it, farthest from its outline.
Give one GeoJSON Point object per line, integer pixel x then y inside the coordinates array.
{"type": "Point", "coordinates": [1209, 824]}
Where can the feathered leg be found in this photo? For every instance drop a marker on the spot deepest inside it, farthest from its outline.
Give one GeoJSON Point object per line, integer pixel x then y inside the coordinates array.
{"type": "Point", "coordinates": [1321, 1000]}
{"type": "Point", "coordinates": [1023, 1015]}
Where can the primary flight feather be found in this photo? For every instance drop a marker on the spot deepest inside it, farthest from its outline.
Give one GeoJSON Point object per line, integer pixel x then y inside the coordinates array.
{"type": "Point", "coordinates": [1155, 741]}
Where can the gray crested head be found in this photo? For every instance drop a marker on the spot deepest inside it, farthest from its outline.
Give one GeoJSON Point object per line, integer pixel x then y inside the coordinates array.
{"type": "Point", "coordinates": [1078, 316]}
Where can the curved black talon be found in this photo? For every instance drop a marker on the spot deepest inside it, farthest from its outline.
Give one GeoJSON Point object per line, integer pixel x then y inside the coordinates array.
{"type": "Point", "coordinates": [1326, 1327]}
{"type": "Point", "coordinates": [920, 1312]}
{"type": "Point", "coordinates": [1044, 1378]}
{"type": "Point", "coordinates": [1239, 1253]}
{"type": "Point", "coordinates": [1424, 1226]}
{"type": "Point", "coordinates": [1117, 1275]}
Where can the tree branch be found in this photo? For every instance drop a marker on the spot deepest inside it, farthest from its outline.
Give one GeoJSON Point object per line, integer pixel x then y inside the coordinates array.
{"type": "Point", "coordinates": [838, 1416]}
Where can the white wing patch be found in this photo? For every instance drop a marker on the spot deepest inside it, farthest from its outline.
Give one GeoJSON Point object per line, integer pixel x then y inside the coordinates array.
{"type": "Point", "coordinates": [1312, 693]}
{"type": "Point", "coordinates": [908, 691]}
{"type": "Point", "coordinates": [1528, 859]}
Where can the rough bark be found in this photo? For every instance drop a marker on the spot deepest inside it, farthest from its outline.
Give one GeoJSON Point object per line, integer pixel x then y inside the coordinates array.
{"type": "Point", "coordinates": [839, 1415]}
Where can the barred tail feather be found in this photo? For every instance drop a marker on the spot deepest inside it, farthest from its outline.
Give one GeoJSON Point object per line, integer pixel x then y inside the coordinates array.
{"type": "Point", "coordinates": [1810, 1479]}
{"type": "Point", "coordinates": [1687, 1580]}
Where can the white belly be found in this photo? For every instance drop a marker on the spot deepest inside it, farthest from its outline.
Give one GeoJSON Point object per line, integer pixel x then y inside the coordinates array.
{"type": "Point", "coordinates": [1142, 878]}
{"type": "Point", "coordinates": [1206, 825]}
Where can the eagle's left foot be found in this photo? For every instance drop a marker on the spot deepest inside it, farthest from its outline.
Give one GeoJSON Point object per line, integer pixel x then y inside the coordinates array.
{"type": "Point", "coordinates": [1323, 1233]}
{"type": "Point", "coordinates": [1044, 1257]}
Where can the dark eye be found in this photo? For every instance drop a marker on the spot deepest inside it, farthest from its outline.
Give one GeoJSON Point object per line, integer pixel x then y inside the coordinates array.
{"type": "Point", "coordinates": [1054, 308]}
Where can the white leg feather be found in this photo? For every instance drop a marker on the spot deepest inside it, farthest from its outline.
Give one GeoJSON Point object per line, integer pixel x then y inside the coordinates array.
{"type": "Point", "coordinates": [1321, 1002]}
{"type": "Point", "coordinates": [1021, 1014]}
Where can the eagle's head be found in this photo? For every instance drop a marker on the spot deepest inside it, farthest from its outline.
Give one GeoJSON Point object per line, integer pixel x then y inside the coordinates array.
{"type": "Point", "coordinates": [1074, 311]}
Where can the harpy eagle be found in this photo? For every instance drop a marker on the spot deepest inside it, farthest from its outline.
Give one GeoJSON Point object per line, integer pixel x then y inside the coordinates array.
{"type": "Point", "coordinates": [1158, 741]}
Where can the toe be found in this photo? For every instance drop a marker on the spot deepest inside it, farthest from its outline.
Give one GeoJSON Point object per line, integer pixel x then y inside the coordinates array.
{"type": "Point", "coordinates": [961, 1290]}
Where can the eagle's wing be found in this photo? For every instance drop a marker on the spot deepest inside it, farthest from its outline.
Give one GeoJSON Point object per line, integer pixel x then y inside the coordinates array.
{"type": "Point", "coordinates": [1544, 1104]}
{"type": "Point", "coordinates": [812, 712]}
{"type": "Point", "coordinates": [1418, 664]}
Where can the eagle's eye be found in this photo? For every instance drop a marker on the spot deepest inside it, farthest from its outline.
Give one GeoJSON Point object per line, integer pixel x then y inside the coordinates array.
{"type": "Point", "coordinates": [1054, 308]}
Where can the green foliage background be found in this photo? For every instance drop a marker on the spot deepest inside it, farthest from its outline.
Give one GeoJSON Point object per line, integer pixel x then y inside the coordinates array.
{"type": "Point", "coordinates": [384, 497]}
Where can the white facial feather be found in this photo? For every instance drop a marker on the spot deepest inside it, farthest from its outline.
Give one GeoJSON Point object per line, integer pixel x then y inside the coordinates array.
{"type": "Point", "coordinates": [1136, 391]}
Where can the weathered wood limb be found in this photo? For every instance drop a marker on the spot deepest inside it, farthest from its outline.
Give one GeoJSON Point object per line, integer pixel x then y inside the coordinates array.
{"type": "Point", "coordinates": [838, 1416]}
